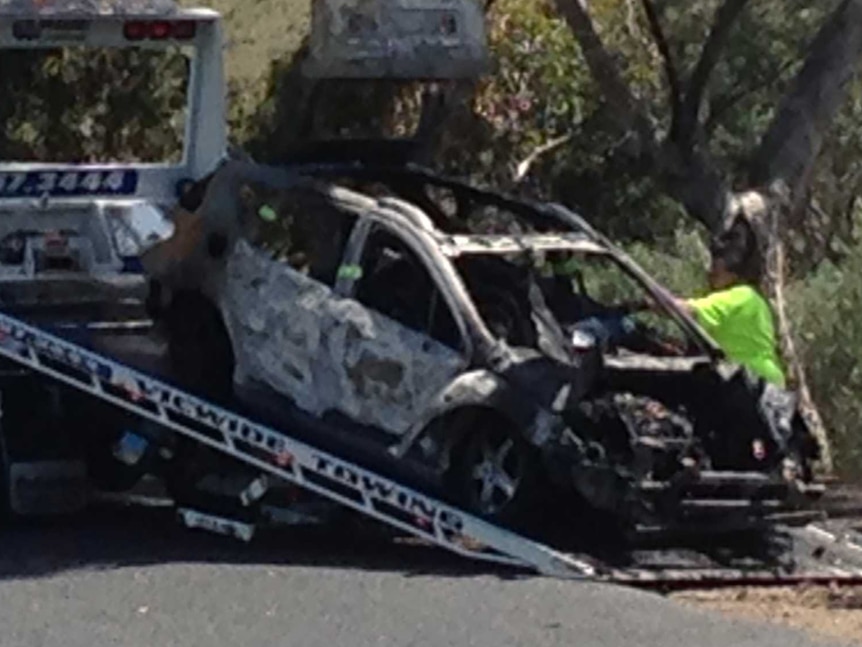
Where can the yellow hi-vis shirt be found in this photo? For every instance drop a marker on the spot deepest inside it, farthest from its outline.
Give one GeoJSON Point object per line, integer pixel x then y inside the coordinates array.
{"type": "Point", "coordinates": [741, 323]}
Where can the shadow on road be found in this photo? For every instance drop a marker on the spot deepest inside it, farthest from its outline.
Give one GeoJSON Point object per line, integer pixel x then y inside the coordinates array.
{"type": "Point", "coordinates": [108, 539]}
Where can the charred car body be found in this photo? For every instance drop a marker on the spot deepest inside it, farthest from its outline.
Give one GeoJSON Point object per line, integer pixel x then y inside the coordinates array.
{"type": "Point", "coordinates": [385, 320]}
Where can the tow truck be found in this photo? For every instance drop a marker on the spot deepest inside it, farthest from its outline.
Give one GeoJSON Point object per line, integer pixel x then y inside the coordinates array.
{"type": "Point", "coordinates": [94, 396]}
{"type": "Point", "coordinates": [71, 235]}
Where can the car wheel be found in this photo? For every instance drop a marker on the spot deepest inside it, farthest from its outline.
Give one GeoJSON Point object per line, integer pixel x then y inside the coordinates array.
{"type": "Point", "coordinates": [496, 474]}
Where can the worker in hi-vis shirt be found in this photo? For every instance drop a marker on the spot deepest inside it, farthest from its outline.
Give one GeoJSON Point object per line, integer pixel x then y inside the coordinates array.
{"type": "Point", "coordinates": [735, 314]}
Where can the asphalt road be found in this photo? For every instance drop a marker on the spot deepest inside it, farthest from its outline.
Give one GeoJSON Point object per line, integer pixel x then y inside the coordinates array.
{"type": "Point", "coordinates": [134, 578]}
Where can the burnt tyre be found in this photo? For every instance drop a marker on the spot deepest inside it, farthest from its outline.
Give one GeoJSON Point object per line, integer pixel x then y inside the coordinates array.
{"type": "Point", "coordinates": [495, 474]}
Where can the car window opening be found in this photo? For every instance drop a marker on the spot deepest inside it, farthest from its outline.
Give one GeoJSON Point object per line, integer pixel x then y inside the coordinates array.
{"type": "Point", "coordinates": [397, 284]}
{"type": "Point", "coordinates": [581, 290]}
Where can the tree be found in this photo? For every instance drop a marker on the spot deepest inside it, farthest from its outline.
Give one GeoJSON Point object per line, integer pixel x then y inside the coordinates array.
{"type": "Point", "coordinates": [773, 194]}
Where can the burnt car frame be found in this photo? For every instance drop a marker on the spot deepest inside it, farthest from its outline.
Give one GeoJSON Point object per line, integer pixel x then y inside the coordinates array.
{"type": "Point", "coordinates": [367, 333]}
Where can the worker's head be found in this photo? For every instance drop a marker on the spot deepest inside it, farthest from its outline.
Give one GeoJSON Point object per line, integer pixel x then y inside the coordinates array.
{"type": "Point", "coordinates": [735, 260]}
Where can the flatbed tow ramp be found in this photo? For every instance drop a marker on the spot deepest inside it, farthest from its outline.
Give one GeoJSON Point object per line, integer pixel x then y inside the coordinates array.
{"type": "Point", "coordinates": [836, 557]}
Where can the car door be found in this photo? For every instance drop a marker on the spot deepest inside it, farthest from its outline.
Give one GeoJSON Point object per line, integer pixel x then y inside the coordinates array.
{"type": "Point", "coordinates": [278, 299]}
{"type": "Point", "coordinates": [397, 336]}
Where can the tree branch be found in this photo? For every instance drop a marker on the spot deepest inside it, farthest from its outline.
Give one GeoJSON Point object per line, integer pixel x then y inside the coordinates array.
{"type": "Point", "coordinates": [627, 110]}
{"type": "Point", "coordinates": [691, 177]}
{"type": "Point", "coordinates": [722, 104]}
{"type": "Point", "coordinates": [524, 166]}
{"type": "Point", "coordinates": [725, 18]}
{"type": "Point", "coordinates": [667, 58]}
{"type": "Point", "coordinates": [794, 140]}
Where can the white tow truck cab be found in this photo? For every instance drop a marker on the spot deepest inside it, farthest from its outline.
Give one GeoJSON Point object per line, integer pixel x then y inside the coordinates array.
{"type": "Point", "coordinates": [83, 220]}
{"type": "Point", "coordinates": [75, 218]}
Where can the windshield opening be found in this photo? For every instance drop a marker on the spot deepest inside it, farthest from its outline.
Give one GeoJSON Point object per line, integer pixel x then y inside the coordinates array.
{"type": "Point", "coordinates": [96, 105]}
{"type": "Point", "coordinates": [584, 292]}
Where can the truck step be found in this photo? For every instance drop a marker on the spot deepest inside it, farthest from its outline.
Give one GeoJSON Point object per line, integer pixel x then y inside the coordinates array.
{"type": "Point", "coordinates": [195, 519]}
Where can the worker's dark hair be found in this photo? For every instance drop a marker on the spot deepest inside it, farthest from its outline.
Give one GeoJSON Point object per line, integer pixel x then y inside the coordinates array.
{"type": "Point", "coordinates": [738, 251]}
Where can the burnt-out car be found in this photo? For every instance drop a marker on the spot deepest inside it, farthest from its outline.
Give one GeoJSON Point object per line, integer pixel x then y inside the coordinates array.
{"type": "Point", "coordinates": [425, 325]}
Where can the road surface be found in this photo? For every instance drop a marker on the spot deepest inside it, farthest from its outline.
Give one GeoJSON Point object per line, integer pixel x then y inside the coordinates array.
{"type": "Point", "coordinates": [133, 578]}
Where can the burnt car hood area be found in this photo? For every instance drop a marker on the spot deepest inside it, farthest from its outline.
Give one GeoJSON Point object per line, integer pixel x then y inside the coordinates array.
{"type": "Point", "coordinates": [411, 317]}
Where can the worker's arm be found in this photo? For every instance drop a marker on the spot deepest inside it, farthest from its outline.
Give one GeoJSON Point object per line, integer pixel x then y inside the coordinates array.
{"type": "Point", "coordinates": [713, 310]}
{"type": "Point", "coordinates": [649, 304]}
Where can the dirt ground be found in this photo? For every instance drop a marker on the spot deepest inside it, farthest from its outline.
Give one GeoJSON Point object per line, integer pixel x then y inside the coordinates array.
{"type": "Point", "coordinates": [825, 612]}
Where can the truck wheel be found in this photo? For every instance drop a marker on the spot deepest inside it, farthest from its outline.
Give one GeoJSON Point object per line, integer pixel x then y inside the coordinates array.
{"type": "Point", "coordinates": [495, 473]}
{"type": "Point", "coordinates": [110, 475]}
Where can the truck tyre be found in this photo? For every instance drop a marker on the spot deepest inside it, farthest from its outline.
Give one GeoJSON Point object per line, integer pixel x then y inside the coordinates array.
{"type": "Point", "coordinates": [110, 475]}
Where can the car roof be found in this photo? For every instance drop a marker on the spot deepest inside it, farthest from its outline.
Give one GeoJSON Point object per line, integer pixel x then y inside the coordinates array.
{"type": "Point", "coordinates": [407, 216]}
{"type": "Point", "coordinates": [460, 245]}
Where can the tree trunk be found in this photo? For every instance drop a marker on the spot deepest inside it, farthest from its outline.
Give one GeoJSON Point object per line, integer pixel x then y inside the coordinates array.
{"type": "Point", "coordinates": [763, 215]}
{"type": "Point", "coordinates": [690, 177]}
{"type": "Point", "coordinates": [774, 284]}
{"type": "Point", "coordinates": [793, 142]}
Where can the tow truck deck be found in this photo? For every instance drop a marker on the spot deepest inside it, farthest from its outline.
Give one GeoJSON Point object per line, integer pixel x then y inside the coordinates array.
{"type": "Point", "coordinates": [277, 456]}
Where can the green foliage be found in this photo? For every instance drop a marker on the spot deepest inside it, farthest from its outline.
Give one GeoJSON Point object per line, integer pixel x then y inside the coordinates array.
{"type": "Point", "coordinates": [92, 105]}
{"type": "Point", "coordinates": [679, 264]}
{"type": "Point", "coordinates": [541, 90]}
{"type": "Point", "coordinates": [827, 310]}
{"type": "Point", "coordinates": [766, 49]}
